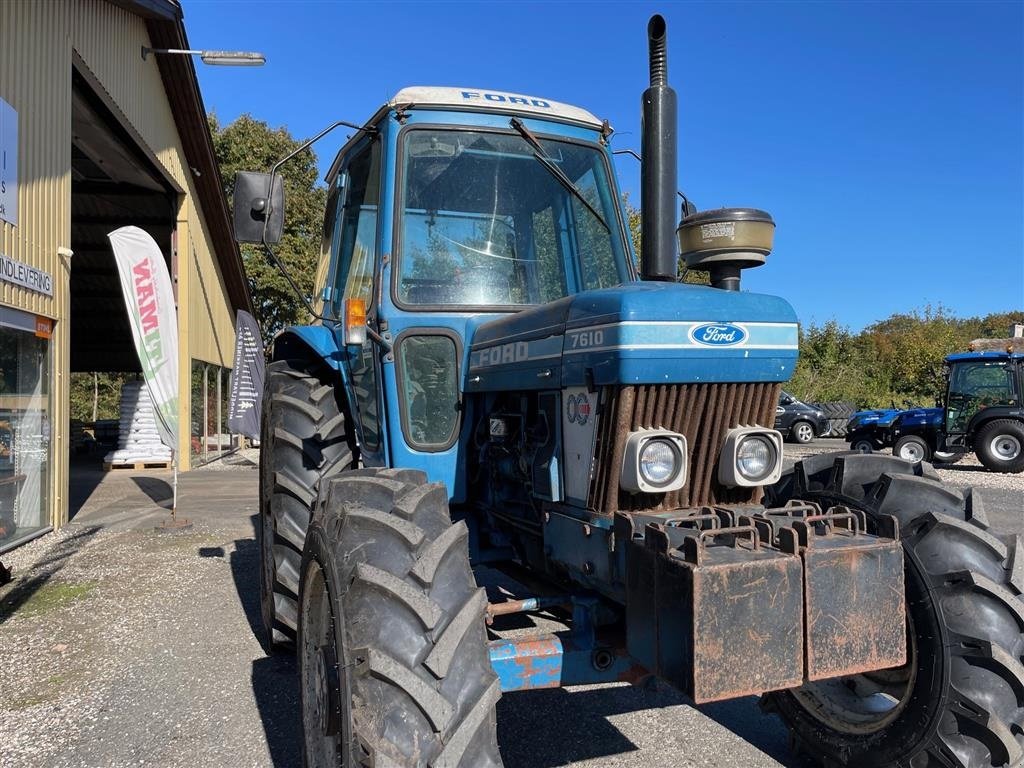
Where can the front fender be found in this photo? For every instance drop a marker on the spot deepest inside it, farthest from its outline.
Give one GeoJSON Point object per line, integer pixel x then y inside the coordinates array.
{"type": "Point", "coordinates": [301, 340]}
{"type": "Point", "coordinates": [318, 342]}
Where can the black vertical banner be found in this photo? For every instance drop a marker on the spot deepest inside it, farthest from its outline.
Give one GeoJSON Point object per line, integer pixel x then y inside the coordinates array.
{"type": "Point", "coordinates": [244, 401]}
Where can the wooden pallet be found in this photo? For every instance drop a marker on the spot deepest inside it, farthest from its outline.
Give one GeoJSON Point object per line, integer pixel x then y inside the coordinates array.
{"type": "Point", "coordinates": [107, 465]}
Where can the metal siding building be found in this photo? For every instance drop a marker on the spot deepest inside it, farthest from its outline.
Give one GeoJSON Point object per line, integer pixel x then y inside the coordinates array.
{"type": "Point", "coordinates": [61, 65]}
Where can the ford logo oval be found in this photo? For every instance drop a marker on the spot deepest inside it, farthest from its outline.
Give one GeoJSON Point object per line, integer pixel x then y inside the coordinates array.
{"type": "Point", "coordinates": [718, 334]}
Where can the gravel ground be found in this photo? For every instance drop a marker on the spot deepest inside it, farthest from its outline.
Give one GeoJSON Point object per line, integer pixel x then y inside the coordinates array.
{"type": "Point", "coordinates": [128, 647]}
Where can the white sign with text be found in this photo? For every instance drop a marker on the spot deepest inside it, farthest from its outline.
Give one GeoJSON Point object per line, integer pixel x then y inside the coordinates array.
{"type": "Point", "coordinates": [25, 275]}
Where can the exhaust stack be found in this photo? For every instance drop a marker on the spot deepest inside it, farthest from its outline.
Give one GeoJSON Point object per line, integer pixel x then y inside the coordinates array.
{"type": "Point", "coordinates": [658, 258]}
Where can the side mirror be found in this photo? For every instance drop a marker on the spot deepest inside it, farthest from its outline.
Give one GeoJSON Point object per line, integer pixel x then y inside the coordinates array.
{"type": "Point", "coordinates": [251, 200]}
{"type": "Point", "coordinates": [786, 400]}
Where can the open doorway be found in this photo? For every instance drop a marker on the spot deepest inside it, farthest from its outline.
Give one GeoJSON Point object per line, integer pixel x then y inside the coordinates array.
{"type": "Point", "coordinates": [114, 183]}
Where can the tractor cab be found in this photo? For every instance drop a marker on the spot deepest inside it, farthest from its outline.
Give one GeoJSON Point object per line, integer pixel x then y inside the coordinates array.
{"type": "Point", "coordinates": [978, 381]}
{"type": "Point", "coordinates": [984, 410]}
{"type": "Point", "coordinates": [480, 238]}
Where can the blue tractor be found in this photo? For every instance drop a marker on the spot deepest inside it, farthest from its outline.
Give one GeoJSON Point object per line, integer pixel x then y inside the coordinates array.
{"type": "Point", "coordinates": [981, 411]}
{"type": "Point", "coordinates": [491, 382]}
{"type": "Point", "coordinates": [871, 430]}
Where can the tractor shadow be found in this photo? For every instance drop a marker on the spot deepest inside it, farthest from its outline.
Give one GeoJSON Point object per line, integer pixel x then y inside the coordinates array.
{"type": "Point", "coordinates": [536, 729]}
{"type": "Point", "coordinates": [544, 729]}
{"type": "Point", "coordinates": [22, 587]}
{"type": "Point", "coordinates": [274, 678]}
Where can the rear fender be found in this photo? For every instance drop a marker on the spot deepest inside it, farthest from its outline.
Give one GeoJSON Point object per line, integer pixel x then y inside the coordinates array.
{"type": "Point", "coordinates": [985, 415]}
{"type": "Point", "coordinates": [318, 342]}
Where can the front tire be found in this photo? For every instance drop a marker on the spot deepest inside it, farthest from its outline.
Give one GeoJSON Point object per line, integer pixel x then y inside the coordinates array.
{"type": "Point", "coordinates": [959, 702]}
{"type": "Point", "coordinates": [863, 445]}
{"type": "Point", "coordinates": [393, 662]}
{"type": "Point", "coordinates": [912, 448]}
{"type": "Point", "coordinates": [1000, 446]}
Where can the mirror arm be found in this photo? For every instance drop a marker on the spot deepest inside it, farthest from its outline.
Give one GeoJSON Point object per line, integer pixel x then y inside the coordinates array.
{"type": "Point", "coordinates": [294, 286]}
{"type": "Point", "coordinates": [376, 337]}
{"type": "Point", "coordinates": [270, 205]}
{"type": "Point", "coordinates": [634, 154]}
{"type": "Point", "coordinates": [304, 146]}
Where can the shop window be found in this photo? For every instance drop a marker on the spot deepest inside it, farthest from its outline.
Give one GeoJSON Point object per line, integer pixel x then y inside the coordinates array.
{"type": "Point", "coordinates": [209, 436]}
{"type": "Point", "coordinates": [197, 429]}
{"type": "Point", "coordinates": [25, 431]}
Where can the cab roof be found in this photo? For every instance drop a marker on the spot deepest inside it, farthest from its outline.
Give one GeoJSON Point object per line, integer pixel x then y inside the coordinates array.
{"type": "Point", "coordinates": [477, 100]}
{"type": "Point", "coordinates": [484, 100]}
{"type": "Point", "coordinates": [986, 355]}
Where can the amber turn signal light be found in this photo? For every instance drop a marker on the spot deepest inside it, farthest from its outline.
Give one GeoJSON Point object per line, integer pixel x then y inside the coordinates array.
{"type": "Point", "coordinates": [355, 321]}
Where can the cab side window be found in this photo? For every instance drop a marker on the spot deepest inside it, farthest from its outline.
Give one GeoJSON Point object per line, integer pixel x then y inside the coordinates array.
{"type": "Point", "coordinates": [357, 259]}
{"type": "Point", "coordinates": [359, 225]}
{"type": "Point", "coordinates": [329, 245]}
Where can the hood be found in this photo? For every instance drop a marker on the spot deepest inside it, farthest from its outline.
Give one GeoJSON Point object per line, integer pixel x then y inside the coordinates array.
{"type": "Point", "coordinates": [921, 417]}
{"type": "Point", "coordinates": [879, 416]}
{"type": "Point", "coordinates": [641, 333]}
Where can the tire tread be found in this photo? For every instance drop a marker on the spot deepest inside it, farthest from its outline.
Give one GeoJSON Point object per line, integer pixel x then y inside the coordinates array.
{"type": "Point", "coordinates": [423, 687]}
{"type": "Point", "coordinates": [972, 575]}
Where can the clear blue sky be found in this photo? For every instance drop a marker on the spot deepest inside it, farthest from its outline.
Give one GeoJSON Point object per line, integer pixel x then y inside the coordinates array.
{"type": "Point", "coordinates": [887, 139]}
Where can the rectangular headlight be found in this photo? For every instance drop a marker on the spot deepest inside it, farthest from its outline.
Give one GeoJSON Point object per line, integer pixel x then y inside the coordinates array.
{"type": "Point", "coordinates": [654, 461]}
{"type": "Point", "coordinates": [751, 456]}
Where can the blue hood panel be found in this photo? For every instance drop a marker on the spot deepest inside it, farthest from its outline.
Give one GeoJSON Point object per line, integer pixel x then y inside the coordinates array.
{"type": "Point", "coordinates": [641, 333]}
{"type": "Point", "coordinates": [922, 417]}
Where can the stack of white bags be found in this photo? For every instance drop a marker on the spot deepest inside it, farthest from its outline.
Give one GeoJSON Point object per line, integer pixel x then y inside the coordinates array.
{"type": "Point", "coordinates": [139, 440]}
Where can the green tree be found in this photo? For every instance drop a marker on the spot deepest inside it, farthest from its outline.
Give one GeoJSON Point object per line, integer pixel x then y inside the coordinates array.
{"type": "Point", "coordinates": [895, 360]}
{"type": "Point", "coordinates": [96, 395]}
{"type": "Point", "coordinates": [690, 276]}
{"type": "Point", "coordinates": [834, 365]}
{"type": "Point", "coordinates": [249, 144]}
{"type": "Point", "coordinates": [909, 348]}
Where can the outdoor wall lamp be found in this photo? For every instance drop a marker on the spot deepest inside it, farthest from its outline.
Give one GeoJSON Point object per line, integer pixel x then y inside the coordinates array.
{"type": "Point", "coordinates": [215, 58]}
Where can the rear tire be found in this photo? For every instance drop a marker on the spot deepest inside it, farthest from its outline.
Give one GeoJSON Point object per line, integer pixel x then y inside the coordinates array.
{"type": "Point", "coordinates": [1000, 446]}
{"type": "Point", "coordinates": [393, 661]}
{"type": "Point", "coordinates": [303, 440]}
{"type": "Point", "coordinates": [912, 448]}
{"type": "Point", "coordinates": [946, 457]}
{"type": "Point", "coordinates": [960, 700]}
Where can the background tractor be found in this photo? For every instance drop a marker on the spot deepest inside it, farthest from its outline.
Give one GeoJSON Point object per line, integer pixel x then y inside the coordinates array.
{"type": "Point", "coordinates": [492, 382]}
{"type": "Point", "coordinates": [980, 410]}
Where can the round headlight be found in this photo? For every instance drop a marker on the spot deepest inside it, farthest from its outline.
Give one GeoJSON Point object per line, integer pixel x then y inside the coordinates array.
{"type": "Point", "coordinates": [658, 462]}
{"type": "Point", "coordinates": [755, 457]}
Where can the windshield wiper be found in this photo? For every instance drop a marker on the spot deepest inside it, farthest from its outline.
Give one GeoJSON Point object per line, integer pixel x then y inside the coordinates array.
{"type": "Point", "coordinates": [554, 170]}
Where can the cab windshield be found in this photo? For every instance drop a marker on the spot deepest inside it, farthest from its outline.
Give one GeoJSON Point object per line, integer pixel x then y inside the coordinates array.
{"type": "Point", "coordinates": [974, 386]}
{"type": "Point", "coordinates": [485, 224]}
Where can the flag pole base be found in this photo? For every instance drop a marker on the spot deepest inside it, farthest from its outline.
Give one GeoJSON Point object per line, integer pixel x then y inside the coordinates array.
{"type": "Point", "coordinates": [173, 524]}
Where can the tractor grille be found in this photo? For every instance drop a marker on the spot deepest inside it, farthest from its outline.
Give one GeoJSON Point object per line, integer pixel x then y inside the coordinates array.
{"type": "Point", "coordinates": [701, 412]}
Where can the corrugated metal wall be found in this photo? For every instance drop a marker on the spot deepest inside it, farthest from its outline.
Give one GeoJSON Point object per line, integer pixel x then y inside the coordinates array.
{"type": "Point", "coordinates": [38, 46]}
{"type": "Point", "coordinates": [35, 79]}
